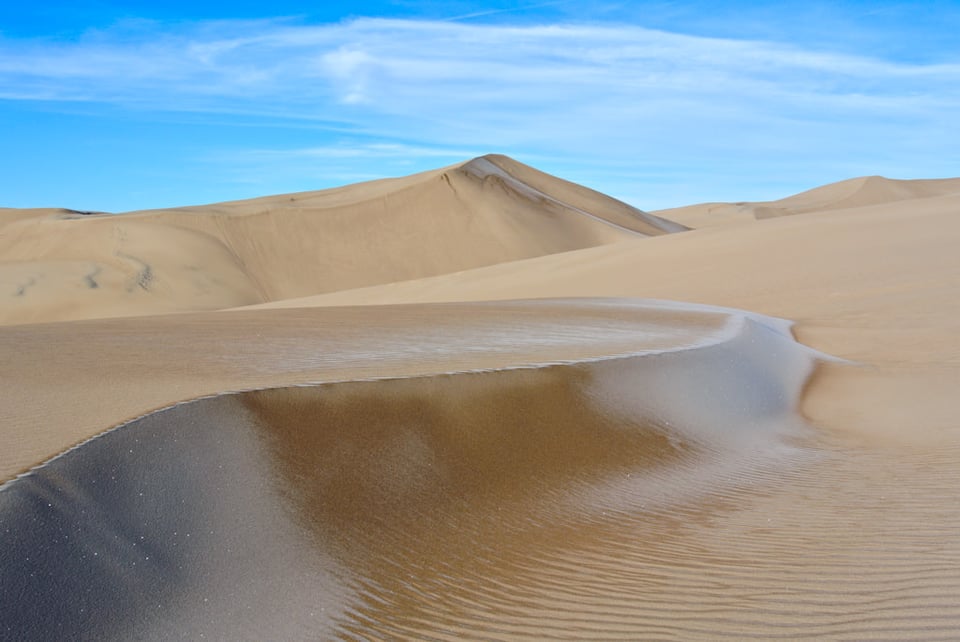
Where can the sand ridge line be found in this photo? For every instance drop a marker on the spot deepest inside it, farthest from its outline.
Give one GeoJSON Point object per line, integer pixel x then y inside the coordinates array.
{"type": "Point", "coordinates": [501, 342]}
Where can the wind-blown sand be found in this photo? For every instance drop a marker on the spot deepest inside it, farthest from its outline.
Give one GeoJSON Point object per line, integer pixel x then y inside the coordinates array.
{"type": "Point", "coordinates": [580, 468]}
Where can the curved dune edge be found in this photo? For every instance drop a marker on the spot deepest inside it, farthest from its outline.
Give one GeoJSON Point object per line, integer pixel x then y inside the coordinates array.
{"type": "Point", "coordinates": [268, 349]}
{"type": "Point", "coordinates": [305, 505]}
{"type": "Point", "coordinates": [661, 328]}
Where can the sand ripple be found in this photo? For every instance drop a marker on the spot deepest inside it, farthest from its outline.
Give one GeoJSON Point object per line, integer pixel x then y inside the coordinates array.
{"type": "Point", "coordinates": [668, 494]}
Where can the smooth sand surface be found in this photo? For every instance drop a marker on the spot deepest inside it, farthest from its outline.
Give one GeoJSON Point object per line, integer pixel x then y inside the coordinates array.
{"type": "Point", "coordinates": [681, 495]}
{"type": "Point", "coordinates": [855, 192]}
{"type": "Point", "coordinates": [58, 265]}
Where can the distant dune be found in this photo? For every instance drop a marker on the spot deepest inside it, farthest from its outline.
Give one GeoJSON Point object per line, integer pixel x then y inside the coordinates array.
{"type": "Point", "coordinates": [484, 402]}
{"type": "Point", "coordinates": [855, 192]}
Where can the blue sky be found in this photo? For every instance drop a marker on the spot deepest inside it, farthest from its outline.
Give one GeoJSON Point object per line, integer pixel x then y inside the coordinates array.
{"type": "Point", "coordinates": [119, 106]}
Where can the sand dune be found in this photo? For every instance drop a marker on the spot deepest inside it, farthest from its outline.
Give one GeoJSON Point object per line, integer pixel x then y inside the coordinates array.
{"type": "Point", "coordinates": [251, 350]}
{"type": "Point", "coordinates": [455, 456]}
{"type": "Point", "coordinates": [355, 483]}
{"type": "Point", "coordinates": [855, 192]}
{"type": "Point", "coordinates": [492, 209]}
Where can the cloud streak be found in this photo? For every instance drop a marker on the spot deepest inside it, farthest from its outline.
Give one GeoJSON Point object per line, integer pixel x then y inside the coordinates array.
{"type": "Point", "coordinates": [616, 95]}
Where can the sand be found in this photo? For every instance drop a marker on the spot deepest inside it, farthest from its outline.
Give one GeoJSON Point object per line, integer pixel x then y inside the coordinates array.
{"type": "Point", "coordinates": [483, 448]}
{"type": "Point", "coordinates": [387, 483]}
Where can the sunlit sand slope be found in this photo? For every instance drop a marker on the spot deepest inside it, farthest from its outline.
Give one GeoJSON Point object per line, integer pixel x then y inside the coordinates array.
{"type": "Point", "coordinates": [65, 265]}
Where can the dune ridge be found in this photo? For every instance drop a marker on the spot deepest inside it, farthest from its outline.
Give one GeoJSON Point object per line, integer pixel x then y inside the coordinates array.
{"type": "Point", "coordinates": [314, 346]}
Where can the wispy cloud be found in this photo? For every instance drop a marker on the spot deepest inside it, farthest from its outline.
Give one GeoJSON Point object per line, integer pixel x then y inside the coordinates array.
{"type": "Point", "coordinates": [613, 94]}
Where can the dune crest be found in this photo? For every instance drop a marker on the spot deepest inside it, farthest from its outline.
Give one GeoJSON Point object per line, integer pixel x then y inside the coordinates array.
{"type": "Point", "coordinates": [262, 349]}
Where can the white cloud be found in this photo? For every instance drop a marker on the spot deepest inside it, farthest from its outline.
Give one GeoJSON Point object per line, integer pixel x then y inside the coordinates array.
{"type": "Point", "coordinates": [612, 93]}
{"type": "Point", "coordinates": [404, 60]}
{"type": "Point", "coordinates": [350, 69]}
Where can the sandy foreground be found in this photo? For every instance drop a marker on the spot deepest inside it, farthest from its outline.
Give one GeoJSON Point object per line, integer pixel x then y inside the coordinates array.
{"type": "Point", "coordinates": [463, 404]}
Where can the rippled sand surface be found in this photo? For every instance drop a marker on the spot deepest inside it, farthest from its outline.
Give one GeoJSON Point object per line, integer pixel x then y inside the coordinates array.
{"type": "Point", "coordinates": [566, 501]}
{"type": "Point", "coordinates": [594, 499]}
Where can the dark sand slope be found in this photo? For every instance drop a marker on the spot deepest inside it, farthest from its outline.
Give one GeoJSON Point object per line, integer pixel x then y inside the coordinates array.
{"type": "Point", "coordinates": [424, 507]}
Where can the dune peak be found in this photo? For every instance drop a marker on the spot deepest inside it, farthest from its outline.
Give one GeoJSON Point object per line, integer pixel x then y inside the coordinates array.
{"type": "Point", "coordinates": [485, 211]}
